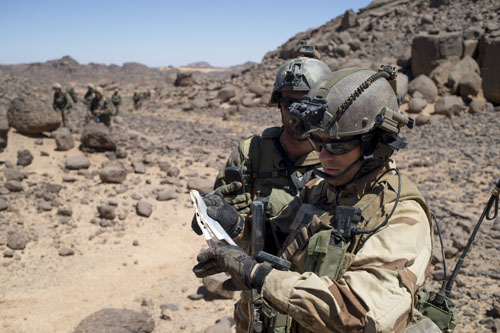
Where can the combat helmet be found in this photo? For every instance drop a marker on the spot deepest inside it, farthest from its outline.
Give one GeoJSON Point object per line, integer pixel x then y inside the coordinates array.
{"type": "Point", "coordinates": [299, 74]}
{"type": "Point", "coordinates": [90, 86]}
{"type": "Point", "coordinates": [56, 86]}
{"type": "Point", "coordinates": [99, 90]}
{"type": "Point", "coordinates": [354, 104]}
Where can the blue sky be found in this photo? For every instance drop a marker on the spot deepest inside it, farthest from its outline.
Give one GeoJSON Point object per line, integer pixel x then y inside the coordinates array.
{"type": "Point", "coordinates": [156, 33]}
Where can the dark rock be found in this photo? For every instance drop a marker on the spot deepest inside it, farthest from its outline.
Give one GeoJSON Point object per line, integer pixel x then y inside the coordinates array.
{"type": "Point", "coordinates": [77, 162]}
{"type": "Point", "coordinates": [14, 186]}
{"type": "Point", "coordinates": [428, 49]}
{"type": "Point", "coordinates": [29, 115]}
{"type": "Point", "coordinates": [66, 251]}
{"type": "Point", "coordinates": [139, 167]}
{"type": "Point", "coordinates": [107, 212]}
{"type": "Point", "coordinates": [64, 139]}
{"type": "Point", "coordinates": [116, 321]}
{"type": "Point", "coordinates": [24, 157]}
{"type": "Point", "coordinates": [18, 240]}
{"type": "Point", "coordinates": [4, 131]}
{"type": "Point", "coordinates": [65, 211]}
{"type": "Point", "coordinates": [184, 79]}
{"type": "Point", "coordinates": [462, 68]}
{"type": "Point", "coordinates": [173, 172]}
{"type": "Point", "coordinates": [52, 188]}
{"type": "Point", "coordinates": [349, 20]}
{"type": "Point", "coordinates": [144, 208]}
{"type": "Point", "coordinates": [12, 173]}
{"type": "Point", "coordinates": [97, 136]}
{"type": "Point", "coordinates": [490, 49]}
{"type": "Point", "coordinates": [113, 174]}
{"type": "Point", "coordinates": [226, 94]}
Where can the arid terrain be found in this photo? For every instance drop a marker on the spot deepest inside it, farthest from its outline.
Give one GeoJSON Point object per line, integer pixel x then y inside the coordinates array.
{"type": "Point", "coordinates": [75, 240]}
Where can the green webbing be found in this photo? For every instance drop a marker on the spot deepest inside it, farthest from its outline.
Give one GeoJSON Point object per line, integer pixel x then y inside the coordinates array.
{"type": "Point", "coordinates": [325, 89]}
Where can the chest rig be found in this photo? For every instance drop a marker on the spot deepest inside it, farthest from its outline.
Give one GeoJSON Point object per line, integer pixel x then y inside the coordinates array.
{"type": "Point", "coordinates": [277, 179]}
{"type": "Point", "coordinates": [322, 240]}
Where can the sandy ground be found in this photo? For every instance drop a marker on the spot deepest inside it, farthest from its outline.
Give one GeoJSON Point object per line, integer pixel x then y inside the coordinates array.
{"type": "Point", "coordinates": [44, 292]}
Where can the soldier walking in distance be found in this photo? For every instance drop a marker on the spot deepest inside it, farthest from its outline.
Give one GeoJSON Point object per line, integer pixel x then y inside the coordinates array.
{"type": "Point", "coordinates": [89, 95]}
{"type": "Point", "coordinates": [101, 108]}
{"type": "Point", "coordinates": [62, 103]}
{"type": "Point", "coordinates": [116, 99]}
{"type": "Point", "coordinates": [358, 242]}
{"type": "Point", "coordinates": [275, 165]}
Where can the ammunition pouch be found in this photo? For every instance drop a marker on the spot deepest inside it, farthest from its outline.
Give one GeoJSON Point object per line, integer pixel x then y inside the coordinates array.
{"type": "Point", "coordinates": [444, 317]}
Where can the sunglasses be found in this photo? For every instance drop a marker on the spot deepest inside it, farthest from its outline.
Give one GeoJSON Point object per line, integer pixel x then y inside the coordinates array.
{"type": "Point", "coordinates": [338, 147]}
{"type": "Point", "coordinates": [287, 101]}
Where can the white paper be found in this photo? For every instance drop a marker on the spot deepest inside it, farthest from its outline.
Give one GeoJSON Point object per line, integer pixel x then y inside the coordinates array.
{"type": "Point", "coordinates": [212, 230]}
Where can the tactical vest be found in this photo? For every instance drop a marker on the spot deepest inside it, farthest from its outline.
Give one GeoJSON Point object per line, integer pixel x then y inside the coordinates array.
{"type": "Point", "coordinates": [266, 176]}
{"type": "Point", "coordinates": [314, 245]}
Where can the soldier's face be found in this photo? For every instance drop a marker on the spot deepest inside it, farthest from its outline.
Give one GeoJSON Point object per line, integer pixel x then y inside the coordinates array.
{"type": "Point", "coordinates": [334, 165]}
{"type": "Point", "coordinates": [289, 122]}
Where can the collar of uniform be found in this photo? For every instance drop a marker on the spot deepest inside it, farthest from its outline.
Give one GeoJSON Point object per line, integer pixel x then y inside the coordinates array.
{"type": "Point", "coordinates": [359, 186]}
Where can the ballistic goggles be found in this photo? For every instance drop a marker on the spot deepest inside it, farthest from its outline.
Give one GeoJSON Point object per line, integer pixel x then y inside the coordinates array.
{"type": "Point", "coordinates": [337, 147]}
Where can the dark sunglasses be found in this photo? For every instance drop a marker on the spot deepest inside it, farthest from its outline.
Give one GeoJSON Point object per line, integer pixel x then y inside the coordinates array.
{"type": "Point", "coordinates": [338, 147]}
{"type": "Point", "coordinates": [287, 101]}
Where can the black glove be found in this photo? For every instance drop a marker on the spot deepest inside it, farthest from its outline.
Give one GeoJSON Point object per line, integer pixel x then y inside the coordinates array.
{"type": "Point", "coordinates": [225, 214]}
{"type": "Point", "coordinates": [231, 193]}
{"type": "Point", "coordinates": [236, 262]}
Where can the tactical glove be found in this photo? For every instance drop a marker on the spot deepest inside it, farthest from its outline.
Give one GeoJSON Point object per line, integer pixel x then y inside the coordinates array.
{"type": "Point", "coordinates": [236, 262]}
{"type": "Point", "coordinates": [231, 193]}
{"type": "Point", "coordinates": [225, 214]}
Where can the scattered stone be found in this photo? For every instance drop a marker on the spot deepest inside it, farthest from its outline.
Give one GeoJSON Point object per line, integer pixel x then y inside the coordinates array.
{"type": "Point", "coordinates": [226, 94]}
{"type": "Point", "coordinates": [44, 206]}
{"type": "Point", "coordinates": [139, 167]}
{"type": "Point", "coordinates": [144, 208]}
{"type": "Point", "coordinates": [449, 105]}
{"type": "Point", "coordinates": [14, 186]}
{"type": "Point", "coordinates": [18, 240]}
{"type": "Point", "coordinates": [8, 254]}
{"type": "Point", "coordinates": [477, 106]}
{"type": "Point", "coordinates": [97, 136]}
{"type": "Point", "coordinates": [64, 139]}
{"type": "Point", "coordinates": [416, 105]}
{"type": "Point", "coordinates": [135, 242]}
{"type": "Point", "coordinates": [65, 211]}
{"type": "Point", "coordinates": [12, 173]}
{"type": "Point", "coordinates": [173, 171]}
{"type": "Point", "coordinates": [116, 321]}
{"type": "Point", "coordinates": [24, 157]}
{"type": "Point", "coordinates": [166, 195]}
{"type": "Point", "coordinates": [113, 174]}
{"type": "Point", "coordinates": [107, 212]}
{"type": "Point", "coordinates": [66, 251]}
{"type": "Point", "coordinates": [3, 204]}
{"type": "Point", "coordinates": [200, 184]}
{"type": "Point", "coordinates": [77, 162]}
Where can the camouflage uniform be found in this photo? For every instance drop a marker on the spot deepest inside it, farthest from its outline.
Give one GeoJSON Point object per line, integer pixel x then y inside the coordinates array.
{"type": "Point", "coordinates": [89, 96]}
{"type": "Point", "coordinates": [116, 99]}
{"type": "Point", "coordinates": [372, 289]}
{"type": "Point", "coordinates": [137, 100]}
{"type": "Point", "coordinates": [106, 110]}
{"type": "Point", "coordinates": [62, 102]}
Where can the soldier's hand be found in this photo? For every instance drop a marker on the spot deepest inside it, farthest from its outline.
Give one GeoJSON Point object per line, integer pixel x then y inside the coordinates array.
{"type": "Point", "coordinates": [245, 272]}
{"type": "Point", "coordinates": [225, 214]}
{"type": "Point", "coordinates": [231, 194]}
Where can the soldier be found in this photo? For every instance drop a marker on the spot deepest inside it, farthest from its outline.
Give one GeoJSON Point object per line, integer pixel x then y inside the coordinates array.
{"type": "Point", "coordinates": [62, 103]}
{"type": "Point", "coordinates": [359, 237]}
{"type": "Point", "coordinates": [277, 164]}
{"type": "Point", "coordinates": [89, 95]}
{"type": "Point", "coordinates": [101, 109]}
{"type": "Point", "coordinates": [116, 99]}
{"type": "Point", "coordinates": [137, 100]}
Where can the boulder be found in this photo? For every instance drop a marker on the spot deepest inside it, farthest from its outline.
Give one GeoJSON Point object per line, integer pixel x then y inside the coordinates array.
{"type": "Point", "coordinates": [77, 162]}
{"type": "Point", "coordinates": [491, 69]}
{"type": "Point", "coordinates": [24, 157]}
{"type": "Point", "coordinates": [424, 85]}
{"type": "Point", "coordinates": [113, 174]}
{"type": "Point", "coordinates": [4, 130]}
{"type": "Point", "coordinates": [257, 89]}
{"type": "Point", "coordinates": [226, 94]}
{"type": "Point", "coordinates": [402, 85]}
{"type": "Point", "coordinates": [470, 84]}
{"type": "Point", "coordinates": [64, 139]}
{"type": "Point", "coordinates": [11, 173]}
{"type": "Point", "coordinates": [416, 105]}
{"type": "Point", "coordinates": [441, 73]}
{"type": "Point", "coordinates": [449, 105]}
{"type": "Point", "coordinates": [116, 321]}
{"type": "Point", "coordinates": [184, 79]}
{"type": "Point", "coordinates": [463, 67]}
{"type": "Point", "coordinates": [97, 136]}
{"type": "Point", "coordinates": [422, 119]}
{"type": "Point", "coordinates": [30, 115]}
{"type": "Point", "coordinates": [106, 212]}
{"type": "Point", "coordinates": [477, 106]}
{"type": "Point", "coordinates": [426, 50]}
{"type": "Point", "coordinates": [349, 20]}
{"type": "Point", "coordinates": [14, 186]}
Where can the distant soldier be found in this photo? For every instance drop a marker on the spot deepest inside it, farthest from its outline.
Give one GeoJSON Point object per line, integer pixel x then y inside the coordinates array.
{"type": "Point", "coordinates": [62, 102]}
{"type": "Point", "coordinates": [89, 95]}
{"type": "Point", "coordinates": [137, 98]}
{"type": "Point", "coordinates": [72, 93]}
{"type": "Point", "coordinates": [116, 99]}
{"type": "Point", "coordinates": [101, 108]}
